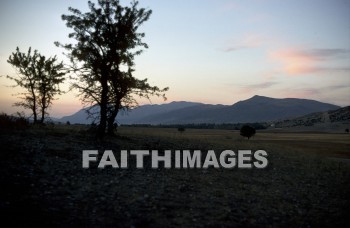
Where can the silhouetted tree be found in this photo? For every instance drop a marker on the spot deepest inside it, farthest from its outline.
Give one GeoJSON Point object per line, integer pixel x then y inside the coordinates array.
{"type": "Point", "coordinates": [347, 130]}
{"type": "Point", "coordinates": [40, 77]}
{"type": "Point", "coordinates": [103, 57]}
{"type": "Point", "coordinates": [181, 129]}
{"type": "Point", "coordinates": [247, 131]}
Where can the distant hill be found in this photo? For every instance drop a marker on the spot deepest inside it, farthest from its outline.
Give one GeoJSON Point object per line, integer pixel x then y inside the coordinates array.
{"type": "Point", "coordinates": [260, 108]}
{"type": "Point", "coordinates": [79, 117]}
{"type": "Point", "coordinates": [255, 109]}
{"type": "Point", "coordinates": [328, 120]}
{"type": "Point", "coordinates": [145, 111]}
{"type": "Point", "coordinates": [131, 116]}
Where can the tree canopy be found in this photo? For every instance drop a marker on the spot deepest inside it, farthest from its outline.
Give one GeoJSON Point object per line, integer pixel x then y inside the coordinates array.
{"type": "Point", "coordinates": [102, 58]}
{"type": "Point", "coordinates": [247, 131]}
{"type": "Point", "coordinates": [40, 77]}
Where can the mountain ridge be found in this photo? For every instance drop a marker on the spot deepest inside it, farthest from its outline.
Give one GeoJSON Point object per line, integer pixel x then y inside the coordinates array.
{"type": "Point", "coordinates": [255, 109]}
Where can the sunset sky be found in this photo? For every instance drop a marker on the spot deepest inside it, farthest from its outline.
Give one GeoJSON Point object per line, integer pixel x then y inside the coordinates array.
{"type": "Point", "coordinates": [210, 51]}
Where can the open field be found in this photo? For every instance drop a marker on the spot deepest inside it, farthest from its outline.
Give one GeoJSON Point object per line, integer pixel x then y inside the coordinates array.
{"type": "Point", "coordinates": [306, 183]}
{"type": "Point", "coordinates": [327, 144]}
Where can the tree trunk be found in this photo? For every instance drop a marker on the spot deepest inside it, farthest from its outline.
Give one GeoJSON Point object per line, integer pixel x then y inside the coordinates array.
{"type": "Point", "coordinates": [35, 116]}
{"type": "Point", "coordinates": [103, 119]}
{"type": "Point", "coordinates": [111, 120]}
{"type": "Point", "coordinates": [35, 120]}
{"type": "Point", "coordinates": [103, 108]}
{"type": "Point", "coordinates": [42, 116]}
{"type": "Point", "coordinates": [43, 107]}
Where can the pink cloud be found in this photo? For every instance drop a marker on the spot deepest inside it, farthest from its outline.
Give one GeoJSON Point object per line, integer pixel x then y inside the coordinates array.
{"type": "Point", "coordinates": [294, 61]}
{"type": "Point", "coordinates": [305, 61]}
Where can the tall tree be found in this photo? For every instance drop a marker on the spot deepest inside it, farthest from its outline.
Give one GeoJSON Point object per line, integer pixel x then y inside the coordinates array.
{"type": "Point", "coordinates": [40, 77]}
{"type": "Point", "coordinates": [103, 57]}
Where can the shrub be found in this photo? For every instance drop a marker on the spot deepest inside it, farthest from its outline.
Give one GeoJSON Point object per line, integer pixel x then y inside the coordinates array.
{"type": "Point", "coordinates": [13, 122]}
{"type": "Point", "coordinates": [181, 129]}
{"type": "Point", "coordinates": [247, 131]}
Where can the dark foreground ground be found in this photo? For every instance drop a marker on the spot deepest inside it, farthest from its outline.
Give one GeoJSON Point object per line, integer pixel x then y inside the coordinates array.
{"type": "Point", "coordinates": [43, 183]}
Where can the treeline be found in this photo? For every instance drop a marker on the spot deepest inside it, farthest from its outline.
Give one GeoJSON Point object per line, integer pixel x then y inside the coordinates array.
{"type": "Point", "coordinates": [228, 126]}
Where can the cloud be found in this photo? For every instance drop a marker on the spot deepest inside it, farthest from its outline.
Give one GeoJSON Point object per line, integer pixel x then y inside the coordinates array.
{"type": "Point", "coordinates": [263, 85]}
{"type": "Point", "coordinates": [304, 61]}
{"type": "Point", "coordinates": [312, 92]}
{"type": "Point", "coordinates": [247, 89]}
{"type": "Point", "coordinates": [326, 53]}
{"type": "Point", "coordinates": [336, 87]}
{"type": "Point", "coordinates": [249, 41]}
{"type": "Point", "coordinates": [326, 69]}
{"type": "Point", "coordinates": [302, 93]}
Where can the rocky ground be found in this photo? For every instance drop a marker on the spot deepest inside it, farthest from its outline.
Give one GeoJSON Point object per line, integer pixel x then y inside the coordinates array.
{"type": "Point", "coordinates": [43, 183]}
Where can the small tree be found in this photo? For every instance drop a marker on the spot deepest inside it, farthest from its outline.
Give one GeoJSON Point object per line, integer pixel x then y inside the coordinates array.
{"type": "Point", "coordinates": [247, 131]}
{"type": "Point", "coordinates": [181, 129]}
{"type": "Point", "coordinates": [347, 130]}
{"type": "Point", "coordinates": [40, 77]}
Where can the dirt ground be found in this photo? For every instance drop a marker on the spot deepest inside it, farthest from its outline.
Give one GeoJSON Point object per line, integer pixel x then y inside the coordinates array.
{"type": "Point", "coordinates": [43, 183]}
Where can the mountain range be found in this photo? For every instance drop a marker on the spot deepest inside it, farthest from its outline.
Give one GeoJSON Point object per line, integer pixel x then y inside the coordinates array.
{"type": "Point", "coordinates": [255, 109]}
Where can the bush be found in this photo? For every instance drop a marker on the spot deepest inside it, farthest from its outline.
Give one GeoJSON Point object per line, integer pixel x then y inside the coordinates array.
{"type": "Point", "coordinates": [12, 122]}
{"type": "Point", "coordinates": [247, 131]}
{"type": "Point", "coordinates": [181, 129]}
